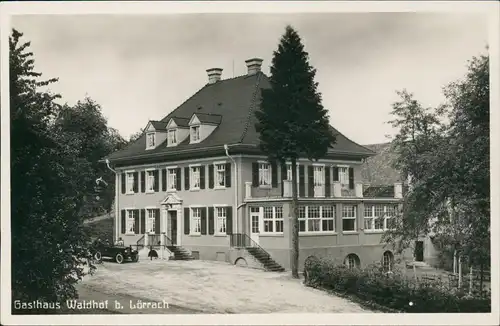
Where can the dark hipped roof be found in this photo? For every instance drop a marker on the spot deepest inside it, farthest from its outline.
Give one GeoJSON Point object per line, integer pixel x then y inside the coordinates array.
{"type": "Point", "coordinates": [231, 104]}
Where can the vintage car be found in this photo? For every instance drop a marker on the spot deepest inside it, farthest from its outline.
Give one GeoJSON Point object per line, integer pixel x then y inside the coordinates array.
{"type": "Point", "coordinates": [117, 253]}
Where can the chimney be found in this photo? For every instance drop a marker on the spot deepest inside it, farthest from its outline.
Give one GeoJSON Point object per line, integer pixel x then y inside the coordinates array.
{"type": "Point", "coordinates": [214, 75]}
{"type": "Point", "coordinates": [253, 65]}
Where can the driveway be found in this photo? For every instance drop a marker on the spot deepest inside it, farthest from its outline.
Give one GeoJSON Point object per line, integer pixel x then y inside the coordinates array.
{"type": "Point", "coordinates": [212, 287]}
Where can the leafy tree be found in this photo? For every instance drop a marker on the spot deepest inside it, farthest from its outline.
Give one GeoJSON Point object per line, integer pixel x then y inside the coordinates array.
{"type": "Point", "coordinates": [449, 165]}
{"type": "Point", "coordinates": [136, 135]}
{"type": "Point", "coordinates": [47, 236]}
{"type": "Point", "coordinates": [292, 122]}
{"type": "Point", "coordinates": [84, 128]}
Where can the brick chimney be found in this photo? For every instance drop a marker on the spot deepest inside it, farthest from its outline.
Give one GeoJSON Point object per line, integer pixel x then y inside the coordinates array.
{"type": "Point", "coordinates": [254, 65]}
{"type": "Point", "coordinates": [214, 75]}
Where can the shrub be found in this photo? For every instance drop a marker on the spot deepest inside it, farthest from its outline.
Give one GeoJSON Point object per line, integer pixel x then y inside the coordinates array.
{"type": "Point", "coordinates": [392, 290]}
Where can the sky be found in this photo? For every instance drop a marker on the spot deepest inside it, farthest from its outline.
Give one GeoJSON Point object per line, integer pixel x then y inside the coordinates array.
{"type": "Point", "coordinates": [140, 68]}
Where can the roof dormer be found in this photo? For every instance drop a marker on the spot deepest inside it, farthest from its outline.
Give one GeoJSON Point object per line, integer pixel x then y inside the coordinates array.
{"type": "Point", "coordinates": [155, 134]}
{"type": "Point", "coordinates": [177, 131]}
{"type": "Point", "coordinates": [201, 125]}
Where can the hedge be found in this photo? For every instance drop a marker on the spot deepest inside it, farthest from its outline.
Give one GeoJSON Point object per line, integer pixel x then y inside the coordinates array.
{"type": "Point", "coordinates": [392, 290]}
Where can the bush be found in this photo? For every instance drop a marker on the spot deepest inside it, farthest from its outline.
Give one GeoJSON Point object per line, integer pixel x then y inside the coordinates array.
{"type": "Point", "coordinates": [392, 290]}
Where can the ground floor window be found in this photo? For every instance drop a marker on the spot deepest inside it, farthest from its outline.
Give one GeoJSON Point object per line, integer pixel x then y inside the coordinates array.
{"type": "Point", "coordinates": [221, 218]}
{"type": "Point", "coordinates": [151, 224]}
{"type": "Point", "coordinates": [315, 218]}
{"type": "Point", "coordinates": [352, 261]}
{"type": "Point", "coordinates": [379, 217]}
{"type": "Point", "coordinates": [132, 215]}
{"type": "Point", "coordinates": [272, 219]}
{"type": "Point", "coordinates": [196, 220]}
{"type": "Point", "coordinates": [349, 218]}
{"type": "Point", "coordinates": [387, 261]}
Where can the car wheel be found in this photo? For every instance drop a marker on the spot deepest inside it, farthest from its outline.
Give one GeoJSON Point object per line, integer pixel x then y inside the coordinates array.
{"type": "Point", "coordinates": [135, 258]}
{"type": "Point", "coordinates": [119, 258]}
{"type": "Point", "coordinates": [98, 256]}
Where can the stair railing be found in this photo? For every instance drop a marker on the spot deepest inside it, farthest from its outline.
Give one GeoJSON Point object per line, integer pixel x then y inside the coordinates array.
{"type": "Point", "coordinates": [154, 240]}
{"type": "Point", "coordinates": [140, 243]}
{"type": "Point", "coordinates": [242, 240]}
{"type": "Point", "coordinates": [167, 241]}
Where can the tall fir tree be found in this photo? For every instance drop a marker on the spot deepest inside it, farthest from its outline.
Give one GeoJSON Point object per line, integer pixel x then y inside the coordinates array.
{"type": "Point", "coordinates": [292, 122]}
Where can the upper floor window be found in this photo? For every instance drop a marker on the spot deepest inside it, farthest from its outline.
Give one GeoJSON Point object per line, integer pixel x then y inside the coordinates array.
{"type": "Point", "coordinates": [172, 179]}
{"type": "Point", "coordinates": [130, 182]}
{"type": "Point", "coordinates": [172, 137]}
{"type": "Point", "coordinates": [195, 177]}
{"type": "Point", "coordinates": [348, 218]}
{"type": "Point", "coordinates": [344, 176]}
{"type": "Point", "coordinates": [264, 174]}
{"type": "Point", "coordinates": [289, 172]}
{"type": "Point", "coordinates": [319, 176]}
{"type": "Point", "coordinates": [150, 181]}
{"type": "Point", "coordinates": [220, 175]}
{"type": "Point", "coordinates": [150, 140]}
{"type": "Point", "coordinates": [195, 134]}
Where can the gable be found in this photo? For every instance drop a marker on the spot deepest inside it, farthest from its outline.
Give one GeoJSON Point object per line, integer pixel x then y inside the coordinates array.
{"type": "Point", "coordinates": [194, 120]}
{"type": "Point", "coordinates": [150, 127]}
{"type": "Point", "coordinates": [171, 124]}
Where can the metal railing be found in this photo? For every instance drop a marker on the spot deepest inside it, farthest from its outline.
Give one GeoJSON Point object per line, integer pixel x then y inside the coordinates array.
{"type": "Point", "coordinates": [242, 240]}
{"type": "Point", "coordinates": [140, 243]}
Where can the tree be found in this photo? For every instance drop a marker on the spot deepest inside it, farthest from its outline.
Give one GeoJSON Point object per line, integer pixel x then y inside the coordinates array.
{"type": "Point", "coordinates": [291, 121]}
{"type": "Point", "coordinates": [136, 135]}
{"type": "Point", "coordinates": [84, 128]}
{"type": "Point", "coordinates": [47, 237]}
{"type": "Point", "coordinates": [450, 194]}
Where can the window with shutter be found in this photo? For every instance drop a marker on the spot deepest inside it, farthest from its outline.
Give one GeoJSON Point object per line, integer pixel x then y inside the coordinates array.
{"type": "Point", "coordinates": [220, 175]}
{"type": "Point", "coordinates": [171, 179]}
{"type": "Point", "coordinates": [220, 220]}
{"type": "Point", "coordinates": [132, 221]}
{"type": "Point", "coordinates": [196, 220]}
{"type": "Point", "coordinates": [150, 180]}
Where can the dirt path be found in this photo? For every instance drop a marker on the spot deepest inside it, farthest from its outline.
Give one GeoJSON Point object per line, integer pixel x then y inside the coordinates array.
{"type": "Point", "coordinates": [214, 287]}
{"type": "Point", "coordinates": [124, 302]}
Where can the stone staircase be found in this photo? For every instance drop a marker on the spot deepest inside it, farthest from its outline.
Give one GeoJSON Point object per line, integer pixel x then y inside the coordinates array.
{"type": "Point", "coordinates": [265, 259]}
{"type": "Point", "coordinates": [180, 253]}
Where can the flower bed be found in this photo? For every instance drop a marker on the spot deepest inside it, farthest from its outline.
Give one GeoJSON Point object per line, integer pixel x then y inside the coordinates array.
{"type": "Point", "coordinates": [393, 290]}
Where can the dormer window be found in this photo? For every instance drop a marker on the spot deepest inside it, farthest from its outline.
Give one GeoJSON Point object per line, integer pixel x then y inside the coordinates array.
{"type": "Point", "coordinates": [150, 140]}
{"type": "Point", "coordinates": [195, 134]}
{"type": "Point", "coordinates": [172, 137]}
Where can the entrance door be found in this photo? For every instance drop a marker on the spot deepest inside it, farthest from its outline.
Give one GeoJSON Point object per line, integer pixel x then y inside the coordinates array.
{"type": "Point", "coordinates": [419, 251]}
{"type": "Point", "coordinates": [255, 224]}
{"type": "Point", "coordinates": [173, 227]}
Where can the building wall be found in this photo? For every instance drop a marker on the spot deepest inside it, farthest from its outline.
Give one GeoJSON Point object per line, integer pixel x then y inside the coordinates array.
{"type": "Point", "coordinates": [335, 246]}
{"type": "Point", "coordinates": [203, 197]}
